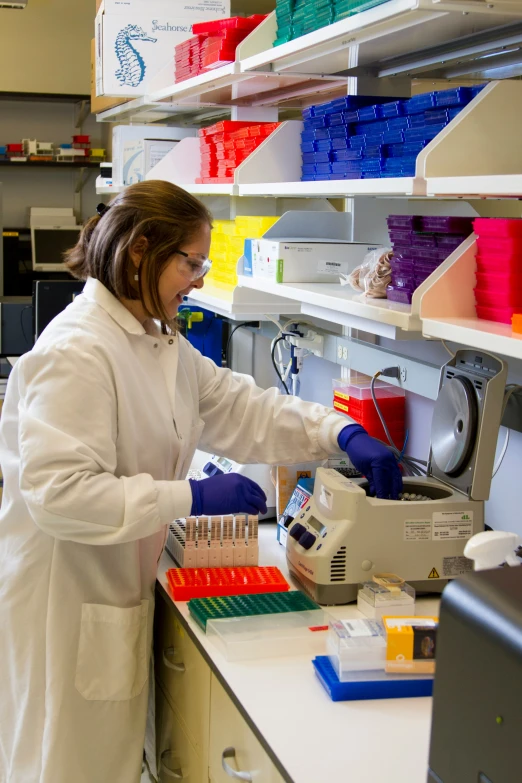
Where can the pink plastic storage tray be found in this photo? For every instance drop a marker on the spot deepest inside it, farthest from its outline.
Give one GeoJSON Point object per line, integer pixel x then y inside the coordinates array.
{"type": "Point", "coordinates": [499, 264]}
{"type": "Point", "coordinates": [493, 281]}
{"type": "Point", "coordinates": [500, 246]}
{"type": "Point", "coordinates": [489, 298]}
{"type": "Point", "coordinates": [501, 314]}
{"type": "Point", "coordinates": [498, 227]}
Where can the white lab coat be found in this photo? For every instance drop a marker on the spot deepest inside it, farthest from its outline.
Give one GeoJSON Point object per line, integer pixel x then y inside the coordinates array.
{"type": "Point", "coordinates": [98, 428]}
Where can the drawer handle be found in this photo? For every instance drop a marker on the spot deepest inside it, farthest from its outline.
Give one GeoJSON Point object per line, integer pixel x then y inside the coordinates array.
{"type": "Point", "coordinates": [230, 753]}
{"type": "Point", "coordinates": [177, 667]}
{"type": "Point", "coordinates": [171, 773]}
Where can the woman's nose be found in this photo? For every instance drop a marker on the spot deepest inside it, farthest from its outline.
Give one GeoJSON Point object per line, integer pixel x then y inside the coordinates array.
{"type": "Point", "coordinates": [199, 283]}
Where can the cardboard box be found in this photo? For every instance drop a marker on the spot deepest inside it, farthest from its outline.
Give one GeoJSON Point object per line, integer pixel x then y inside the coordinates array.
{"type": "Point", "coordinates": [99, 104]}
{"type": "Point", "coordinates": [306, 261]}
{"type": "Point", "coordinates": [140, 156]}
{"type": "Point", "coordinates": [410, 644]}
{"type": "Point", "coordinates": [135, 40]}
{"type": "Point", "coordinates": [125, 136]}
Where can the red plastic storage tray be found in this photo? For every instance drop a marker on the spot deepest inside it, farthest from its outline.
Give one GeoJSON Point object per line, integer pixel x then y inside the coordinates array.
{"type": "Point", "coordinates": [498, 227]}
{"type": "Point", "coordinates": [187, 583]}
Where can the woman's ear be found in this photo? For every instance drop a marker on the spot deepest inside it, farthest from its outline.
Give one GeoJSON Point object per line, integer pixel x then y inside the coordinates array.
{"type": "Point", "coordinates": [137, 250]}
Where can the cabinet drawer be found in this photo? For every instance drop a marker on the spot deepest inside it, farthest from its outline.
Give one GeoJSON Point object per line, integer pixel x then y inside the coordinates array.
{"type": "Point", "coordinates": [177, 758]}
{"type": "Point", "coordinates": [228, 730]}
{"type": "Point", "coordinates": [184, 675]}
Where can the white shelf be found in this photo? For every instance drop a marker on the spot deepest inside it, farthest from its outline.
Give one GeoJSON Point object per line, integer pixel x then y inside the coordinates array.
{"type": "Point", "coordinates": [391, 30]}
{"type": "Point", "coordinates": [109, 191]}
{"type": "Point", "coordinates": [403, 186]}
{"type": "Point", "coordinates": [241, 303]}
{"type": "Point", "coordinates": [447, 309]}
{"type": "Point", "coordinates": [486, 335]}
{"type": "Point", "coordinates": [485, 186]}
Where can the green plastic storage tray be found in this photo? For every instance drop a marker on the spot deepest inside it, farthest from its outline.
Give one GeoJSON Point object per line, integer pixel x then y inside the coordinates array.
{"type": "Point", "coordinates": [204, 609]}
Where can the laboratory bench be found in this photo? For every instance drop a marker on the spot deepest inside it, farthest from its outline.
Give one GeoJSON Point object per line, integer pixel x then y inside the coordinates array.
{"type": "Point", "coordinates": [273, 712]}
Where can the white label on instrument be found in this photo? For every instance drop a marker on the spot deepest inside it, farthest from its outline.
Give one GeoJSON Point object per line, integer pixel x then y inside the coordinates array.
{"type": "Point", "coordinates": [333, 267]}
{"type": "Point", "coordinates": [326, 498]}
{"type": "Point", "coordinates": [417, 530]}
{"type": "Point", "coordinates": [456, 566]}
{"type": "Point", "coordinates": [452, 525]}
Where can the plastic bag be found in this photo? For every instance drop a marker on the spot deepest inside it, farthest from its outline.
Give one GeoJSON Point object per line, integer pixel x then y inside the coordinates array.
{"type": "Point", "coordinates": [373, 276]}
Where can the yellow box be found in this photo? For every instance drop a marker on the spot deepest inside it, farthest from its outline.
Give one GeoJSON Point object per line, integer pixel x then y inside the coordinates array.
{"type": "Point", "coordinates": [410, 644]}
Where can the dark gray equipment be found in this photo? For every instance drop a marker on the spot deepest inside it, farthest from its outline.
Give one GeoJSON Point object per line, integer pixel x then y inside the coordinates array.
{"type": "Point", "coordinates": [16, 325]}
{"type": "Point", "coordinates": [477, 706]}
{"type": "Point", "coordinates": [50, 297]}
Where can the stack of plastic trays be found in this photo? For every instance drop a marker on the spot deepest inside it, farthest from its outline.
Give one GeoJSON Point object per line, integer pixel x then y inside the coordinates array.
{"type": "Point", "coordinates": [284, 10]}
{"type": "Point", "coordinates": [420, 245]}
{"type": "Point", "coordinates": [317, 14]}
{"type": "Point", "coordinates": [188, 58]}
{"type": "Point", "coordinates": [498, 293]}
{"type": "Point", "coordinates": [227, 144]}
{"type": "Point", "coordinates": [355, 400]}
{"type": "Point", "coordinates": [371, 140]}
{"type": "Point", "coordinates": [346, 8]}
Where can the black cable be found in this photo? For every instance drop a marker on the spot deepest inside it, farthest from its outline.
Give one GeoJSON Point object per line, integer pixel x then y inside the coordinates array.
{"type": "Point", "coordinates": [27, 307]}
{"type": "Point", "coordinates": [285, 387]}
{"type": "Point", "coordinates": [234, 330]}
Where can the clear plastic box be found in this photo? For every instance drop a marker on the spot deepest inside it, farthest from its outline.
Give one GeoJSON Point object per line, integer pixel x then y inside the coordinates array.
{"type": "Point", "coordinates": [375, 601]}
{"type": "Point", "coordinates": [356, 646]}
{"type": "Point", "coordinates": [270, 635]}
{"type": "Point", "coordinates": [359, 386]}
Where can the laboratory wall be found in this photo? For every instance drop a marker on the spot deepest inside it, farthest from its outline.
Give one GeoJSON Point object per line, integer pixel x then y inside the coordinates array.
{"type": "Point", "coordinates": [25, 187]}
{"type": "Point", "coordinates": [46, 47]}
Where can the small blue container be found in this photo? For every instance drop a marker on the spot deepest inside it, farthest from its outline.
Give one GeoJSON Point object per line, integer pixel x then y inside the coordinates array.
{"type": "Point", "coordinates": [351, 115]}
{"type": "Point", "coordinates": [399, 123]}
{"type": "Point", "coordinates": [370, 113]}
{"type": "Point", "coordinates": [307, 146]}
{"type": "Point", "coordinates": [323, 168]}
{"type": "Point", "coordinates": [393, 150]}
{"type": "Point", "coordinates": [321, 133]}
{"type": "Point", "coordinates": [394, 109]}
{"type": "Point", "coordinates": [323, 157]}
{"type": "Point", "coordinates": [336, 119]}
{"type": "Point", "coordinates": [357, 142]}
{"type": "Point", "coordinates": [372, 127]}
{"type": "Point", "coordinates": [423, 134]}
{"type": "Point", "coordinates": [340, 144]}
{"type": "Point", "coordinates": [323, 145]}
{"type": "Point", "coordinates": [309, 157]}
{"type": "Point", "coordinates": [437, 117]}
{"type": "Point", "coordinates": [338, 132]}
{"type": "Point", "coordinates": [393, 137]}
{"type": "Point", "coordinates": [341, 155]}
{"type": "Point", "coordinates": [458, 96]}
{"type": "Point", "coordinates": [420, 103]}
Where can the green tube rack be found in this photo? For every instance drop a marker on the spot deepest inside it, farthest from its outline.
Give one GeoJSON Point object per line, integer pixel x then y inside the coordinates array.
{"type": "Point", "coordinates": [204, 609]}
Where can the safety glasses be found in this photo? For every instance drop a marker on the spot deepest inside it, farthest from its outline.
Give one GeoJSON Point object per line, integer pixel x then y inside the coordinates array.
{"type": "Point", "coordinates": [193, 268]}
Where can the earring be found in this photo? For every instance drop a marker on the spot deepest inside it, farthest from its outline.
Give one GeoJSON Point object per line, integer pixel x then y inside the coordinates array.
{"type": "Point", "coordinates": [136, 277]}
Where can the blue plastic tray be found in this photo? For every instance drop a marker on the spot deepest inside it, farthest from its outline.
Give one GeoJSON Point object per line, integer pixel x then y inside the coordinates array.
{"type": "Point", "coordinates": [339, 132]}
{"type": "Point", "coordinates": [457, 96]}
{"type": "Point", "coordinates": [394, 109]}
{"type": "Point", "coordinates": [389, 687]}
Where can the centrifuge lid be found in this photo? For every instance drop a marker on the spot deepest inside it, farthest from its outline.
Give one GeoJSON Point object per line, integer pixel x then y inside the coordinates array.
{"type": "Point", "coordinates": [454, 427]}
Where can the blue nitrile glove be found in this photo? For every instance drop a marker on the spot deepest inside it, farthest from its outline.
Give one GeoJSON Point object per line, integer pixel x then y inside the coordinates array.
{"type": "Point", "coordinates": [230, 493]}
{"type": "Point", "coordinates": [373, 459]}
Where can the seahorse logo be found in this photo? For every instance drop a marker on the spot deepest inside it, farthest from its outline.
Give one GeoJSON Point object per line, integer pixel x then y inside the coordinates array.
{"type": "Point", "coordinates": [132, 65]}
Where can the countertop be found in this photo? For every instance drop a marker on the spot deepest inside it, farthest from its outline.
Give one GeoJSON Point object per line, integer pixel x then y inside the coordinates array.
{"type": "Point", "coordinates": [310, 738]}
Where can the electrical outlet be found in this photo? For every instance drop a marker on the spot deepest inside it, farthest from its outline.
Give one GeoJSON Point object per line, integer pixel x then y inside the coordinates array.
{"type": "Point", "coordinates": [345, 353]}
{"type": "Point", "coordinates": [403, 373]}
{"type": "Point", "coordinates": [339, 351]}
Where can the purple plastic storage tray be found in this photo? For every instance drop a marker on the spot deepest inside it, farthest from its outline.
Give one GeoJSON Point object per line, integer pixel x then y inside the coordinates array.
{"type": "Point", "coordinates": [447, 225]}
{"type": "Point", "coordinates": [450, 241]}
{"type": "Point", "coordinates": [404, 222]}
{"type": "Point", "coordinates": [402, 295]}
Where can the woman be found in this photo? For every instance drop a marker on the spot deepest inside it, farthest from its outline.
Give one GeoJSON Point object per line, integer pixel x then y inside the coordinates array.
{"type": "Point", "coordinates": [99, 426]}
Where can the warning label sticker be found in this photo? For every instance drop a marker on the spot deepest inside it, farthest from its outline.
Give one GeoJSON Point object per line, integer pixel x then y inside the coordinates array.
{"type": "Point", "coordinates": [456, 566]}
{"type": "Point", "coordinates": [417, 530]}
{"type": "Point", "coordinates": [433, 574]}
{"type": "Point", "coordinates": [452, 525]}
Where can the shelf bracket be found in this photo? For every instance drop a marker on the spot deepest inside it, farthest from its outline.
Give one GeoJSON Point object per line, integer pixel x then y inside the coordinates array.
{"type": "Point", "coordinates": [82, 110]}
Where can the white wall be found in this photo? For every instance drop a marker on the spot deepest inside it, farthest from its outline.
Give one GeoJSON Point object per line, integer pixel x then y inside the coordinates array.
{"type": "Point", "coordinates": [46, 47]}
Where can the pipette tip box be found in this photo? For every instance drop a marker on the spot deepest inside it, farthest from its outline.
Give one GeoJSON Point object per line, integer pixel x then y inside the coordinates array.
{"type": "Point", "coordinates": [188, 583]}
{"type": "Point", "coordinates": [204, 609]}
{"type": "Point", "coordinates": [370, 685]}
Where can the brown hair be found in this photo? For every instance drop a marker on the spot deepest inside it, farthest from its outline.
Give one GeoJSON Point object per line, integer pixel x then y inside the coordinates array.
{"type": "Point", "coordinates": [164, 214]}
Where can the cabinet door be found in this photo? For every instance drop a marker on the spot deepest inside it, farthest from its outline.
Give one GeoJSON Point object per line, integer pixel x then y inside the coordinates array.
{"type": "Point", "coordinates": [235, 753]}
{"type": "Point", "coordinates": [176, 756]}
{"type": "Point", "coordinates": [184, 675]}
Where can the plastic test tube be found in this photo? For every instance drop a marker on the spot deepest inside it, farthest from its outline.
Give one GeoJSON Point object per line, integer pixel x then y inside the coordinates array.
{"type": "Point", "coordinates": [240, 554]}
{"type": "Point", "coordinates": [252, 549]}
{"type": "Point", "coordinates": [202, 549]}
{"type": "Point", "coordinates": [214, 552]}
{"type": "Point", "coordinates": [227, 549]}
{"type": "Point", "coordinates": [190, 543]}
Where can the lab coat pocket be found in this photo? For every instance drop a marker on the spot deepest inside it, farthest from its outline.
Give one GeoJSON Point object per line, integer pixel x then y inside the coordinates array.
{"type": "Point", "coordinates": [191, 444]}
{"type": "Point", "coordinates": [113, 660]}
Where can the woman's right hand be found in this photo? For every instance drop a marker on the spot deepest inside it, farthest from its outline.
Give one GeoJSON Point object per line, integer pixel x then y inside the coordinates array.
{"type": "Point", "coordinates": [230, 493]}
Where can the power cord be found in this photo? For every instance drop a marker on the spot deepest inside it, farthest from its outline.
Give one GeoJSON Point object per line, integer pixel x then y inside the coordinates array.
{"type": "Point", "coordinates": [510, 389]}
{"type": "Point", "coordinates": [27, 307]}
{"type": "Point", "coordinates": [272, 354]}
{"type": "Point", "coordinates": [232, 333]}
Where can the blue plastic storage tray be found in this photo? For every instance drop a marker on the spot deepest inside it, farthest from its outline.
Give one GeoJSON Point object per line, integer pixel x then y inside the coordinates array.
{"type": "Point", "coordinates": [393, 137]}
{"type": "Point", "coordinates": [339, 144]}
{"type": "Point", "coordinates": [399, 123]}
{"type": "Point", "coordinates": [389, 687]}
{"type": "Point", "coordinates": [394, 109]}
{"type": "Point", "coordinates": [457, 96]}
{"type": "Point", "coordinates": [338, 132]}
{"type": "Point", "coordinates": [420, 103]}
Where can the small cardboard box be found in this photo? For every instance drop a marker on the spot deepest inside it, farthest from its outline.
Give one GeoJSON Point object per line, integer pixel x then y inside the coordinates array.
{"type": "Point", "coordinates": [410, 644]}
{"type": "Point", "coordinates": [135, 40]}
{"type": "Point", "coordinates": [99, 104]}
{"type": "Point", "coordinates": [306, 261]}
